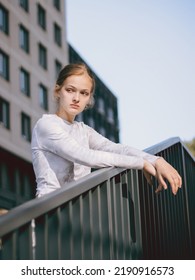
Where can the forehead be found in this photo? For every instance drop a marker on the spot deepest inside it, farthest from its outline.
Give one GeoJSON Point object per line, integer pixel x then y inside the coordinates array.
{"type": "Point", "coordinates": [82, 81]}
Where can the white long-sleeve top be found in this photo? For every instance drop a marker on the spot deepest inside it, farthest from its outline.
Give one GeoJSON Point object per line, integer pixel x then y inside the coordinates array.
{"type": "Point", "coordinates": [63, 152]}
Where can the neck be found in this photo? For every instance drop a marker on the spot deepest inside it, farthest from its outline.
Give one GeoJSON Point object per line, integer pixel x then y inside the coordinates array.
{"type": "Point", "coordinates": [69, 119]}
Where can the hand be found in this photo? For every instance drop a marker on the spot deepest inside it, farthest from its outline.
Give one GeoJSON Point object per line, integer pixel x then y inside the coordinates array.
{"type": "Point", "coordinates": [149, 171]}
{"type": "Point", "coordinates": [164, 171]}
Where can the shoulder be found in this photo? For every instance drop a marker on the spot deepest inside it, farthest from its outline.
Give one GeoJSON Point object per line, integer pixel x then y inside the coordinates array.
{"type": "Point", "coordinates": [48, 122]}
{"type": "Point", "coordinates": [49, 119]}
{"type": "Point", "coordinates": [80, 125]}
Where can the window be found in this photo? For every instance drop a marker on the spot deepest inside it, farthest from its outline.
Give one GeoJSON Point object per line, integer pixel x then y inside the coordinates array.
{"type": "Point", "coordinates": [43, 100]}
{"type": "Point", "coordinates": [4, 19]}
{"type": "Point", "coordinates": [4, 113]}
{"type": "Point", "coordinates": [4, 177]}
{"type": "Point", "coordinates": [24, 4]}
{"type": "Point", "coordinates": [17, 181]}
{"type": "Point", "coordinates": [110, 115]}
{"type": "Point", "coordinates": [112, 138]}
{"type": "Point", "coordinates": [24, 38]}
{"type": "Point", "coordinates": [57, 34]}
{"type": "Point", "coordinates": [4, 65]}
{"type": "Point", "coordinates": [58, 67]}
{"type": "Point", "coordinates": [79, 117]}
{"type": "Point", "coordinates": [24, 82]}
{"type": "Point", "coordinates": [26, 127]}
{"type": "Point", "coordinates": [91, 122]}
{"type": "Point", "coordinates": [102, 131]}
{"type": "Point", "coordinates": [42, 56]}
{"type": "Point", "coordinates": [56, 4]}
{"type": "Point", "coordinates": [41, 16]}
{"type": "Point", "coordinates": [100, 105]}
{"type": "Point", "coordinates": [26, 185]}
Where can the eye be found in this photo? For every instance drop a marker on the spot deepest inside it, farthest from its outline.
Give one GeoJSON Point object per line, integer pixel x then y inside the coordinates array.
{"type": "Point", "coordinates": [85, 93]}
{"type": "Point", "coordinates": [70, 90]}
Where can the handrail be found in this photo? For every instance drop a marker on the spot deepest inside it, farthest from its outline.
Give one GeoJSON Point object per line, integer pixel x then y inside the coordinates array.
{"type": "Point", "coordinates": [163, 145]}
{"type": "Point", "coordinates": [155, 149]}
{"type": "Point", "coordinates": [36, 207]}
{"type": "Point", "coordinates": [95, 216]}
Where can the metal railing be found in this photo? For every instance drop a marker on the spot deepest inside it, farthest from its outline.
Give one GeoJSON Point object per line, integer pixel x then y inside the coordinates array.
{"type": "Point", "coordinates": [168, 222]}
{"type": "Point", "coordinates": [109, 214]}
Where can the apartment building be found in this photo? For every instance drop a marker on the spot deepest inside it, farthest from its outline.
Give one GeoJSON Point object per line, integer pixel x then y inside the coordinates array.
{"type": "Point", "coordinates": [33, 48]}
{"type": "Point", "coordinates": [104, 115]}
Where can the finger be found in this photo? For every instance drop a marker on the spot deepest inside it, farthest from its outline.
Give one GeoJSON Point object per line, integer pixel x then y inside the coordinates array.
{"type": "Point", "coordinates": [149, 168]}
{"type": "Point", "coordinates": [150, 181]}
{"type": "Point", "coordinates": [148, 178]}
{"type": "Point", "coordinates": [159, 189]}
{"type": "Point", "coordinates": [162, 181]}
{"type": "Point", "coordinates": [175, 183]}
{"type": "Point", "coordinates": [180, 181]}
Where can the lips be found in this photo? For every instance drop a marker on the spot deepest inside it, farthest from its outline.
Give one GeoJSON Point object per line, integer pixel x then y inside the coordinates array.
{"type": "Point", "coordinates": [74, 106]}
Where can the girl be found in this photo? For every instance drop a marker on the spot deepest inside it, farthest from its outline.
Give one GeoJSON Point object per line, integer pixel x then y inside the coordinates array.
{"type": "Point", "coordinates": [64, 150]}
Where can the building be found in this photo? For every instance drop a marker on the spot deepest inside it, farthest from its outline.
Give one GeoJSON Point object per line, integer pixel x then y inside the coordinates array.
{"type": "Point", "coordinates": [32, 47]}
{"type": "Point", "coordinates": [104, 115]}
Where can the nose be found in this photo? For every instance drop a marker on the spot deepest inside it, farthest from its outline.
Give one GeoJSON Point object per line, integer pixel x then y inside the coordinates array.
{"type": "Point", "coordinates": [76, 97]}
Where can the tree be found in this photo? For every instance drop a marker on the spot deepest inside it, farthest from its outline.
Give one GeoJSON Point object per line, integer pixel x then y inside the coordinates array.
{"type": "Point", "coordinates": [191, 146]}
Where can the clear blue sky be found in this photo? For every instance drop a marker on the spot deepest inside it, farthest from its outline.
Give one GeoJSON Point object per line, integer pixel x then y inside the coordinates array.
{"type": "Point", "coordinates": [144, 51]}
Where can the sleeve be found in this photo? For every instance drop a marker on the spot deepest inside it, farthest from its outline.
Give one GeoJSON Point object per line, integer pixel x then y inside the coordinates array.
{"type": "Point", "coordinates": [98, 142]}
{"type": "Point", "coordinates": [52, 137]}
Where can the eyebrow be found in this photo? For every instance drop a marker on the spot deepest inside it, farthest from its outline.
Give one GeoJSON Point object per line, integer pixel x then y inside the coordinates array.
{"type": "Point", "coordinates": [69, 85]}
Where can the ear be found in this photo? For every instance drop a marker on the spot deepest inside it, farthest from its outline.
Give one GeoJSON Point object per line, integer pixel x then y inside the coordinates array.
{"type": "Point", "coordinates": [91, 103]}
{"type": "Point", "coordinates": [57, 91]}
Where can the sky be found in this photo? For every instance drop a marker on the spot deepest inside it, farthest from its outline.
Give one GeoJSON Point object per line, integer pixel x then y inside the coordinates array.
{"type": "Point", "coordinates": [144, 52]}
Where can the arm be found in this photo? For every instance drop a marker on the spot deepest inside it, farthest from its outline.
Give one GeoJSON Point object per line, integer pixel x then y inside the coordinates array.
{"type": "Point", "coordinates": [98, 142]}
{"type": "Point", "coordinates": [52, 137]}
{"type": "Point", "coordinates": [153, 165]}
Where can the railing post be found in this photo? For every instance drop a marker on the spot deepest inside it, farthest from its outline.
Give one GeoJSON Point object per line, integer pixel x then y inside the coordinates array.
{"type": "Point", "coordinates": [185, 185]}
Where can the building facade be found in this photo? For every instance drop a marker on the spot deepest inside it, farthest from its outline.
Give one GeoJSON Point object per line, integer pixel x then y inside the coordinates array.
{"type": "Point", "coordinates": [104, 115]}
{"type": "Point", "coordinates": [33, 47]}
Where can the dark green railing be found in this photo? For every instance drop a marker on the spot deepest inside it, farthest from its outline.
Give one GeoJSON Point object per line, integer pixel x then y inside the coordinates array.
{"type": "Point", "coordinates": [110, 214]}
{"type": "Point", "coordinates": [168, 221]}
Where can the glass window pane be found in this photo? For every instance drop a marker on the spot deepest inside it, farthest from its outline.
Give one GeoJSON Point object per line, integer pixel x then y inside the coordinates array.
{"type": "Point", "coordinates": [24, 4]}
{"type": "Point", "coordinates": [24, 38]}
{"type": "Point", "coordinates": [58, 67]}
{"type": "Point", "coordinates": [57, 35]}
{"type": "Point", "coordinates": [4, 65]}
{"type": "Point", "coordinates": [26, 127]}
{"type": "Point", "coordinates": [42, 56]}
{"type": "Point", "coordinates": [17, 181]}
{"type": "Point", "coordinates": [4, 177]}
{"type": "Point", "coordinates": [25, 82]}
{"type": "Point", "coordinates": [100, 105]}
{"type": "Point", "coordinates": [110, 115]}
{"type": "Point", "coordinates": [56, 4]}
{"type": "Point", "coordinates": [41, 16]}
{"type": "Point", "coordinates": [4, 19]}
{"type": "Point", "coordinates": [4, 113]}
{"type": "Point", "coordinates": [43, 99]}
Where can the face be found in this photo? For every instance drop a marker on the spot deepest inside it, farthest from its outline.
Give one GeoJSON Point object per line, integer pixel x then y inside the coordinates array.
{"type": "Point", "coordinates": [74, 96]}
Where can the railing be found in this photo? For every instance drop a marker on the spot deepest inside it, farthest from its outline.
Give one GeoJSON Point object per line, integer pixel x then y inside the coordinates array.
{"type": "Point", "coordinates": [168, 222]}
{"type": "Point", "coordinates": [110, 214]}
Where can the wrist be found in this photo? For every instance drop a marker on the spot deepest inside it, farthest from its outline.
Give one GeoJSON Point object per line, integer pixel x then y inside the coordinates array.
{"type": "Point", "coordinates": [158, 161]}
